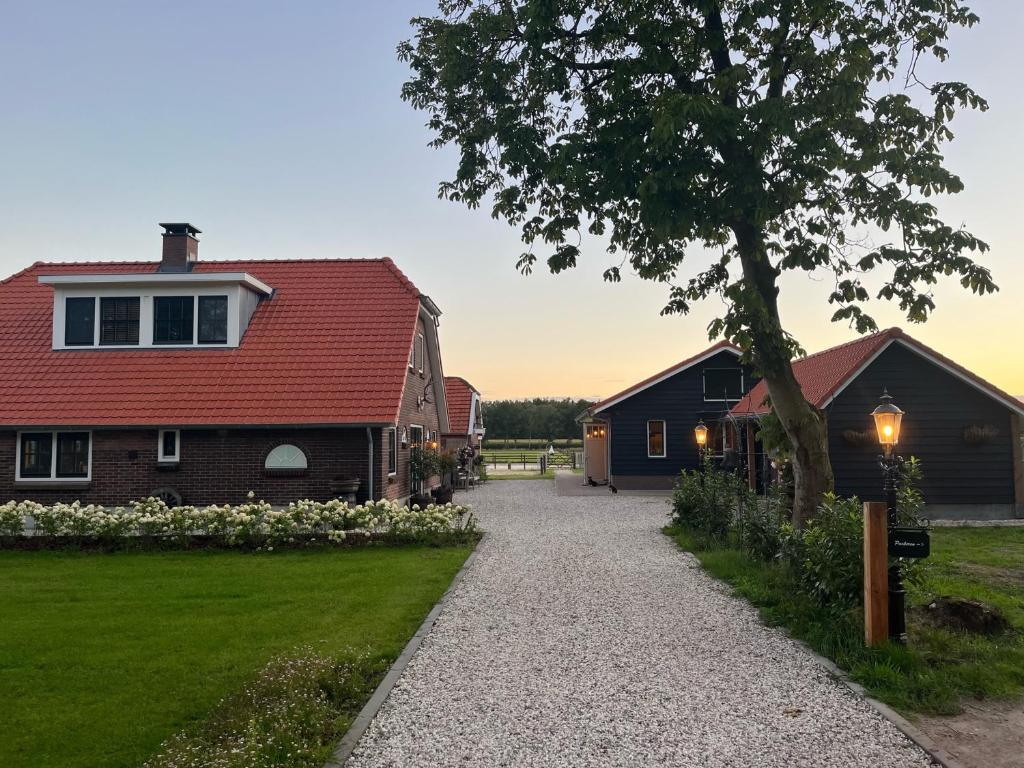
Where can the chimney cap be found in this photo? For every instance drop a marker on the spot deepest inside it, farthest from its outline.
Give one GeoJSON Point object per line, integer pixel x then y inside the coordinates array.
{"type": "Point", "coordinates": [183, 228]}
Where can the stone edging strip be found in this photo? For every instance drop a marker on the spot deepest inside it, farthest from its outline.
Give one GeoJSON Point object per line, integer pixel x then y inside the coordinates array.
{"type": "Point", "coordinates": [916, 735]}
{"type": "Point", "coordinates": [362, 721]}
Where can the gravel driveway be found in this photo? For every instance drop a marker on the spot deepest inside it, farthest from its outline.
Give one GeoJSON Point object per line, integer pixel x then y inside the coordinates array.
{"type": "Point", "coordinates": [581, 636]}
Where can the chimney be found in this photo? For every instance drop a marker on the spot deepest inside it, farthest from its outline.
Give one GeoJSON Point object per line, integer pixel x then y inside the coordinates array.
{"type": "Point", "coordinates": [181, 247]}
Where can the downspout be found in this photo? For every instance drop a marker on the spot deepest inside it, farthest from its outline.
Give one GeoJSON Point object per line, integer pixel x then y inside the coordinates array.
{"type": "Point", "coordinates": [369, 443]}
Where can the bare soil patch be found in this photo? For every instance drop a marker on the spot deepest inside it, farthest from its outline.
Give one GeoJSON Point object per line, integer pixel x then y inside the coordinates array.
{"type": "Point", "coordinates": [985, 735]}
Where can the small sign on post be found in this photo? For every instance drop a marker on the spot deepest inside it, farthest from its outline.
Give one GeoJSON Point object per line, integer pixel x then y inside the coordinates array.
{"type": "Point", "coordinates": [876, 576]}
{"type": "Point", "coordinates": [909, 542]}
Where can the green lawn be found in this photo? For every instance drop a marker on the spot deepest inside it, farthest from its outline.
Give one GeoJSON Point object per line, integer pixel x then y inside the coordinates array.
{"type": "Point", "coordinates": [103, 656]}
{"type": "Point", "coordinates": [938, 668]}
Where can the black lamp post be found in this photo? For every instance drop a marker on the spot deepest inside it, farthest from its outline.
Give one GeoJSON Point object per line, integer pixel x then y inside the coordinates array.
{"type": "Point", "coordinates": [888, 420]}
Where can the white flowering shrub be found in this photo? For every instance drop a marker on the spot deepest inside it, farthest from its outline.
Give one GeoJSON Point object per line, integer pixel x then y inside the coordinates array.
{"type": "Point", "coordinates": [252, 523]}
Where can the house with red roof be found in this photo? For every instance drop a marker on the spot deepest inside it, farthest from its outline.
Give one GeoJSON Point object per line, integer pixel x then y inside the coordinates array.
{"type": "Point", "coordinates": [465, 415]}
{"type": "Point", "coordinates": [199, 381]}
{"type": "Point", "coordinates": [642, 437]}
{"type": "Point", "coordinates": [965, 431]}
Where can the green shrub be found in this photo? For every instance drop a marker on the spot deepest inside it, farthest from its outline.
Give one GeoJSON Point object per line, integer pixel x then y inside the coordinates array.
{"type": "Point", "coordinates": [828, 554]}
{"type": "Point", "coordinates": [704, 501]}
{"type": "Point", "coordinates": [759, 523]}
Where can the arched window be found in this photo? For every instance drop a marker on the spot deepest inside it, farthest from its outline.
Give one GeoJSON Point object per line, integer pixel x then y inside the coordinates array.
{"type": "Point", "coordinates": [286, 457]}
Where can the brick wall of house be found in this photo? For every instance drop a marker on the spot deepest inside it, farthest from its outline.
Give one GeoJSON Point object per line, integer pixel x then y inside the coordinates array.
{"type": "Point", "coordinates": [397, 487]}
{"type": "Point", "coordinates": [217, 466]}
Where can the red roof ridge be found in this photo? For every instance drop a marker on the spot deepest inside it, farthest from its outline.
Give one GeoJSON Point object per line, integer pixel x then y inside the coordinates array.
{"type": "Point", "coordinates": [464, 381]}
{"type": "Point", "coordinates": [21, 272]}
{"type": "Point", "coordinates": [810, 377]}
{"type": "Point", "coordinates": [400, 275]}
{"type": "Point", "coordinates": [281, 260]}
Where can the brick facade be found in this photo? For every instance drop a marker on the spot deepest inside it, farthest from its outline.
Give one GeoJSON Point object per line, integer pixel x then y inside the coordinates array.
{"type": "Point", "coordinates": [397, 486]}
{"type": "Point", "coordinates": [217, 466]}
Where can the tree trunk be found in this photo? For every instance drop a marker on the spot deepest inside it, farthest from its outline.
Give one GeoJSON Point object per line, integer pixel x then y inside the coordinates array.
{"type": "Point", "coordinates": [804, 424]}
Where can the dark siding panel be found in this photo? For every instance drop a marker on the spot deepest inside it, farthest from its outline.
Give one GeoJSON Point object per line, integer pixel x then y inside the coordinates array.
{"type": "Point", "coordinates": [678, 400]}
{"type": "Point", "coordinates": [938, 406]}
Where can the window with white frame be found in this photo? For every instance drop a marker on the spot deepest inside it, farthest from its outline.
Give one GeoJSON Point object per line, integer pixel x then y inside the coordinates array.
{"type": "Point", "coordinates": [392, 451]}
{"type": "Point", "coordinates": [286, 457]}
{"type": "Point", "coordinates": [169, 445]}
{"type": "Point", "coordinates": [54, 455]}
{"type": "Point", "coordinates": [656, 439]}
{"type": "Point", "coordinates": [421, 349]}
{"type": "Point", "coordinates": [160, 320]}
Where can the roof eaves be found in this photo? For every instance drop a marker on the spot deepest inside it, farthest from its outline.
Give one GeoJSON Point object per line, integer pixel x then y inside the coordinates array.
{"type": "Point", "coordinates": [721, 346]}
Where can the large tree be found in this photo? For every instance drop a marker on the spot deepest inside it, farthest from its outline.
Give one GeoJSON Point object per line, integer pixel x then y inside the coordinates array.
{"type": "Point", "coordinates": [757, 134]}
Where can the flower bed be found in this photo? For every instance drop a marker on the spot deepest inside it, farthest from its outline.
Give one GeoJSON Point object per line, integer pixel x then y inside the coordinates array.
{"type": "Point", "coordinates": [249, 525]}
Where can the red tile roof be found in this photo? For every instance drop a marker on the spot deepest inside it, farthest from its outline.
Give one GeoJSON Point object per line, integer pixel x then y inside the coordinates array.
{"type": "Point", "coordinates": [824, 373]}
{"type": "Point", "coordinates": [671, 371]}
{"type": "Point", "coordinates": [330, 347]}
{"type": "Point", "coordinates": [459, 394]}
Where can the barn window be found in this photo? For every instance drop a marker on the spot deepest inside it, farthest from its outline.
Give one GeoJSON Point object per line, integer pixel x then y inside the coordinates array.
{"type": "Point", "coordinates": [286, 457]}
{"type": "Point", "coordinates": [656, 439]}
{"type": "Point", "coordinates": [723, 384]}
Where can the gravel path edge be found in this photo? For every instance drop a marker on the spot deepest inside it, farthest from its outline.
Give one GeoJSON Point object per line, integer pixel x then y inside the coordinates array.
{"type": "Point", "coordinates": [935, 752]}
{"type": "Point", "coordinates": [362, 721]}
{"type": "Point", "coordinates": [938, 755]}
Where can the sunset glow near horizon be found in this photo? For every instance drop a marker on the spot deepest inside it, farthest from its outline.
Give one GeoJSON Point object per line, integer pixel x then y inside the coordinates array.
{"type": "Point", "coordinates": [282, 135]}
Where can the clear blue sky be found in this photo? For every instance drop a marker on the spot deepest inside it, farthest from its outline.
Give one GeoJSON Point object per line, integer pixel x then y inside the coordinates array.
{"type": "Point", "coordinates": [277, 128]}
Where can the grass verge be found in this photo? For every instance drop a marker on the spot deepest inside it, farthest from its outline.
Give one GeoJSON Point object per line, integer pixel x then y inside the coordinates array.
{"type": "Point", "coordinates": [938, 667]}
{"type": "Point", "coordinates": [104, 657]}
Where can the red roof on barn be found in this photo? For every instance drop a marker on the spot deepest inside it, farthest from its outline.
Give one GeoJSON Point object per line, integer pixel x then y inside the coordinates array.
{"type": "Point", "coordinates": [330, 347]}
{"type": "Point", "coordinates": [459, 394]}
{"type": "Point", "coordinates": [822, 375]}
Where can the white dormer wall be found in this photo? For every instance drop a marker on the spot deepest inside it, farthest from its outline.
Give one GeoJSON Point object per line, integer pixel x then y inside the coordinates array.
{"type": "Point", "coordinates": [242, 302]}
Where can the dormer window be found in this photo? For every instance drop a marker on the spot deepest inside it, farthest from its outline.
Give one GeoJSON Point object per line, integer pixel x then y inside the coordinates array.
{"type": "Point", "coordinates": [153, 310]}
{"type": "Point", "coordinates": [213, 320]}
{"type": "Point", "coordinates": [119, 320]}
{"type": "Point", "coordinates": [173, 317]}
{"type": "Point", "coordinates": [80, 322]}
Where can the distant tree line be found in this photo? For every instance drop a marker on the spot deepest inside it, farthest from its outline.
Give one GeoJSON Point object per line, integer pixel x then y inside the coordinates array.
{"type": "Point", "coordinates": [540, 418]}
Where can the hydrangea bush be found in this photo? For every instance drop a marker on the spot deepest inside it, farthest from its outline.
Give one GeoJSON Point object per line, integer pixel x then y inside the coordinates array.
{"type": "Point", "coordinates": [253, 523]}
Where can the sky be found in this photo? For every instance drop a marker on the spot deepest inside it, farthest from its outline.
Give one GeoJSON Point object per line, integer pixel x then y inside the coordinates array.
{"type": "Point", "coordinates": [278, 130]}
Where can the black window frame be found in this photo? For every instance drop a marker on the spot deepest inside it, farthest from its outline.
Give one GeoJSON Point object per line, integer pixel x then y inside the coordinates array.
{"type": "Point", "coordinates": [123, 336]}
{"type": "Point", "coordinates": [393, 451]}
{"type": "Point", "coordinates": [716, 397]}
{"type": "Point", "coordinates": [81, 454]}
{"type": "Point", "coordinates": [36, 437]}
{"type": "Point", "coordinates": [67, 455]}
{"type": "Point", "coordinates": [79, 340]}
{"type": "Point", "coordinates": [175, 318]}
{"type": "Point", "coordinates": [206, 300]}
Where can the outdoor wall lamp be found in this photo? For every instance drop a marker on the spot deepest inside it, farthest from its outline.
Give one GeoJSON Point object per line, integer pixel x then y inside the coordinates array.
{"type": "Point", "coordinates": [701, 433]}
{"type": "Point", "coordinates": [888, 419]}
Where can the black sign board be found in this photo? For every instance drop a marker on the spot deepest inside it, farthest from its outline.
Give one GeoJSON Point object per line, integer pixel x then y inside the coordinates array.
{"type": "Point", "coordinates": [909, 542]}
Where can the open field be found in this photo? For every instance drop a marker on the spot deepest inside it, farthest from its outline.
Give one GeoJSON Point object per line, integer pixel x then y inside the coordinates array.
{"type": "Point", "coordinates": [530, 443]}
{"type": "Point", "coordinates": [102, 657]}
{"type": "Point", "coordinates": [939, 668]}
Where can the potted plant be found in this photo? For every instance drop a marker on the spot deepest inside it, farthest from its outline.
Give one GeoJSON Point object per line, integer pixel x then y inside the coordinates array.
{"type": "Point", "coordinates": [344, 485]}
